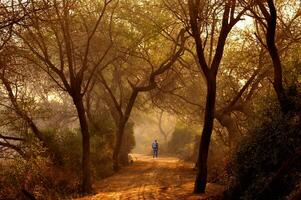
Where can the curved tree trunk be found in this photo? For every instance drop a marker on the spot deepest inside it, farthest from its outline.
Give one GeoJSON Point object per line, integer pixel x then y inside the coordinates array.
{"type": "Point", "coordinates": [273, 51]}
{"type": "Point", "coordinates": [227, 121]}
{"type": "Point", "coordinates": [86, 181]}
{"type": "Point", "coordinates": [201, 178]}
{"type": "Point", "coordinates": [271, 19]}
{"type": "Point", "coordinates": [278, 86]}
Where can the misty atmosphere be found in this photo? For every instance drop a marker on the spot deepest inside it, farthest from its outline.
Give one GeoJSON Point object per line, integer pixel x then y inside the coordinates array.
{"type": "Point", "coordinates": [150, 99]}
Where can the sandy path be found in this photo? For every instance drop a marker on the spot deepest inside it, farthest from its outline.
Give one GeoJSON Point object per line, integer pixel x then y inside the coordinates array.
{"type": "Point", "coordinates": [151, 179]}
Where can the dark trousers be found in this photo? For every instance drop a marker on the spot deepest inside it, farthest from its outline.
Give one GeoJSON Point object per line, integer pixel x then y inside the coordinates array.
{"type": "Point", "coordinates": [155, 153]}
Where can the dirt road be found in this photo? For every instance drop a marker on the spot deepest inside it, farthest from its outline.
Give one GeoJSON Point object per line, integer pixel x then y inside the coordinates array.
{"type": "Point", "coordinates": [151, 179]}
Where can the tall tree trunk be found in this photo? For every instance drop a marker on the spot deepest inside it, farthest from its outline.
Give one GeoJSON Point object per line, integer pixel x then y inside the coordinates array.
{"type": "Point", "coordinates": [201, 178]}
{"type": "Point", "coordinates": [86, 181]}
{"type": "Point", "coordinates": [278, 86]}
{"type": "Point", "coordinates": [120, 129]}
{"type": "Point", "coordinates": [273, 51]}
{"type": "Point", "coordinates": [118, 143]}
{"type": "Point", "coordinates": [124, 153]}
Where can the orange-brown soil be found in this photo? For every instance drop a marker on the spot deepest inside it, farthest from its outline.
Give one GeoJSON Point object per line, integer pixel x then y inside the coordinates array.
{"type": "Point", "coordinates": [163, 178]}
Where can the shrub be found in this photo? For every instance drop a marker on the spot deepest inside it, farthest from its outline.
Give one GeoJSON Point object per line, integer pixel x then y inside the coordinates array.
{"type": "Point", "coordinates": [262, 167]}
{"type": "Point", "coordinates": [32, 176]}
{"type": "Point", "coordinates": [182, 142]}
{"type": "Point", "coordinates": [47, 178]}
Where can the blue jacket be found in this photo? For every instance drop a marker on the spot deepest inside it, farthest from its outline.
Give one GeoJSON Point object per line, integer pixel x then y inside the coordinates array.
{"type": "Point", "coordinates": [155, 145]}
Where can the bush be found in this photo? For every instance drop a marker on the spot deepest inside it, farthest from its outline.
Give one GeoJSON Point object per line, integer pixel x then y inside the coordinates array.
{"type": "Point", "coordinates": [47, 178]}
{"type": "Point", "coordinates": [182, 142]}
{"type": "Point", "coordinates": [32, 176]}
{"type": "Point", "coordinates": [262, 167]}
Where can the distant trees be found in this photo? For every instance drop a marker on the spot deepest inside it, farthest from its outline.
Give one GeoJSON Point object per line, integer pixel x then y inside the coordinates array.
{"type": "Point", "coordinates": [165, 133]}
{"type": "Point", "coordinates": [139, 66]}
{"type": "Point", "coordinates": [122, 108]}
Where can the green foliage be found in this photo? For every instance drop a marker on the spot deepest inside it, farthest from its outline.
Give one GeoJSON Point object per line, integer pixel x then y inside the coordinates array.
{"type": "Point", "coordinates": [102, 144]}
{"type": "Point", "coordinates": [69, 147]}
{"type": "Point", "coordinates": [260, 155]}
{"type": "Point", "coordinates": [182, 142]}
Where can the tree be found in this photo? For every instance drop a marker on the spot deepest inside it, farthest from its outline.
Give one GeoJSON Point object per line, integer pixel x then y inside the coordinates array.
{"type": "Point", "coordinates": [164, 133]}
{"type": "Point", "coordinates": [17, 103]}
{"type": "Point", "coordinates": [121, 110]}
{"type": "Point", "coordinates": [198, 24]}
{"type": "Point", "coordinates": [49, 39]}
{"type": "Point", "coordinates": [265, 14]}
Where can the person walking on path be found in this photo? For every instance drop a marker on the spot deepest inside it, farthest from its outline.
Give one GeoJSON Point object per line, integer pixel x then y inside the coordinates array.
{"type": "Point", "coordinates": [155, 147]}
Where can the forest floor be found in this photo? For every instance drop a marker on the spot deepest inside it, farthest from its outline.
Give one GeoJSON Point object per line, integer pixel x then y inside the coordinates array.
{"type": "Point", "coordinates": [163, 178]}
